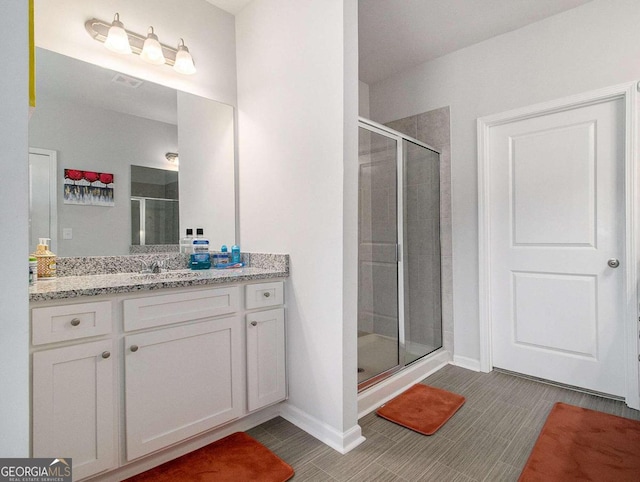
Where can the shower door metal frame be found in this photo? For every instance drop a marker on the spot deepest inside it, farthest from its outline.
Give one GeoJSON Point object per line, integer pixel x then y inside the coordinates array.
{"type": "Point", "coordinates": [400, 258]}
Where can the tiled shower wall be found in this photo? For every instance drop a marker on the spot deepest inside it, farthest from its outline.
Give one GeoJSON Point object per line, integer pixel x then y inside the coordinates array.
{"type": "Point", "coordinates": [433, 128]}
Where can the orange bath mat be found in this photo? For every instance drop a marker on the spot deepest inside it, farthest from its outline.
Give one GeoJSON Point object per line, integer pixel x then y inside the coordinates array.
{"type": "Point", "coordinates": [233, 458]}
{"type": "Point", "coordinates": [422, 408]}
{"type": "Point", "coordinates": [581, 444]}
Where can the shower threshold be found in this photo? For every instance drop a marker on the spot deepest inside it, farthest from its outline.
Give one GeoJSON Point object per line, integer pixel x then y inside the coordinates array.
{"type": "Point", "coordinates": [378, 358]}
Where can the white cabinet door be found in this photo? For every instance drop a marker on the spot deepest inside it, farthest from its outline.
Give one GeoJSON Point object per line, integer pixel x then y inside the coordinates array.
{"type": "Point", "coordinates": [73, 406]}
{"type": "Point", "coordinates": [266, 378]}
{"type": "Point", "coordinates": [181, 381]}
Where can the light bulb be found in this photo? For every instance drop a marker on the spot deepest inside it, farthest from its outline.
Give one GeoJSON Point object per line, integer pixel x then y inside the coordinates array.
{"type": "Point", "coordinates": [152, 50]}
{"type": "Point", "coordinates": [184, 62]}
{"type": "Point", "coordinates": [117, 38]}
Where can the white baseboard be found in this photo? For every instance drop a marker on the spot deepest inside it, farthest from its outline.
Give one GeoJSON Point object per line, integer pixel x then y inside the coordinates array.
{"type": "Point", "coordinates": [372, 398]}
{"type": "Point", "coordinates": [468, 363]}
{"type": "Point", "coordinates": [342, 442]}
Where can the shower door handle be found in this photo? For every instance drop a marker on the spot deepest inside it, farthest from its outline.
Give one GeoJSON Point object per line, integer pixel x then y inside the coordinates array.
{"type": "Point", "coordinates": [398, 253]}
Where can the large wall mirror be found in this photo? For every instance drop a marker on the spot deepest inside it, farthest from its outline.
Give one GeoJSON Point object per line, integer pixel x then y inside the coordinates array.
{"type": "Point", "coordinates": [100, 121]}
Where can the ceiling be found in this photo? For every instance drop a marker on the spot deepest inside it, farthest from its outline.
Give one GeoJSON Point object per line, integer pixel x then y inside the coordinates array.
{"type": "Point", "coordinates": [395, 35]}
{"type": "Point", "coordinates": [231, 6]}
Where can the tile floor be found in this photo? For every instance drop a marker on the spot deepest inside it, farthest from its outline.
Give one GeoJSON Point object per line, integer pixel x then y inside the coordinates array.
{"type": "Point", "coordinates": [488, 439]}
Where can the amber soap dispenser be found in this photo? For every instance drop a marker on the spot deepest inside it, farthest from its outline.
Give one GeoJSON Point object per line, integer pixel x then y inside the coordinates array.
{"type": "Point", "coordinates": [46, 260]}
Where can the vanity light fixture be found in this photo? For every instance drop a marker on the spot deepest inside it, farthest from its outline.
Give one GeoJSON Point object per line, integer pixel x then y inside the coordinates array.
{"type": "Point", "coordinates": [172, 157]}
{"type": "Point", "coordinates": [152, 50]}
{"type": "Point", "coordinates": [149, 47]}
{"type": "Point", "coordinates": [184, 61]}
{"type": "Point", "coordinates": [117, 39]}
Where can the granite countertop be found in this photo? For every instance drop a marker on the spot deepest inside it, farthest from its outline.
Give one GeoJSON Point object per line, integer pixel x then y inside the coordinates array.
{"type": "Point", "coordinates": [105, 284]}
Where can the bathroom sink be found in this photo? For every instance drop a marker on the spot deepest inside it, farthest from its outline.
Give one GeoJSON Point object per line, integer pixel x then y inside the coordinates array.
{"type": "Point", "coordinates": [175, 275]}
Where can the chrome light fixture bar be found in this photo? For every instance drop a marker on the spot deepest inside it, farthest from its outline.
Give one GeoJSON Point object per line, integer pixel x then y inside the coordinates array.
{"type": "Point", "coordinates": [99, 30]}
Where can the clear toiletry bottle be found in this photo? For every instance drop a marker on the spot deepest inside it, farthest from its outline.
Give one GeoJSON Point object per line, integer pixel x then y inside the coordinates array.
{"type": "Point", "coordinates": [186, 242]}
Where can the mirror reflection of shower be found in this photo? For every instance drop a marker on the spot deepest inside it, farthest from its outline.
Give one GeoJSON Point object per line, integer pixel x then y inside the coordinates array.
{"type": "Point", "coordinates": [155, 206]}
{"type": "Point", "coordinates": [399, 267]}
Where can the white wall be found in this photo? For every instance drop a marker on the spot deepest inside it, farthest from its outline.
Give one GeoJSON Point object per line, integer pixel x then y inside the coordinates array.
{"type": "Point", "coordinates": [102, 141]}
{"type": "Point", "coordinates": [207, 177]}
{"type": "Point", "coordinates": [208, 32]}
{"type": "Point", "coordinates": [351, 101]}
{"type": "Point", "coordinates": [592, 46]}
{"type": "Point", "coordinates": [14, 340]}
{"type": "Point", "coordinates": [296, 114]}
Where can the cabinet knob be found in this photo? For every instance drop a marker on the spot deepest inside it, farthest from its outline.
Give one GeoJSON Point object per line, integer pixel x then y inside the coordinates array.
{"type": "Point", "coordinates": [75, 322]}
{"type": "Point", "coordinates": [134, 348]}
{"type": "Point", "coordinates": [254, 323]}
{"type": "Point", "coordinates": [106, 354]}
{"type": "Point", "coordinates": [266, 294]}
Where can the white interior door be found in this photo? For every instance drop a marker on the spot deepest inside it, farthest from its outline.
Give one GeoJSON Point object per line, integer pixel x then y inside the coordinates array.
{"type": "Point", "coordinates": [557, 217]}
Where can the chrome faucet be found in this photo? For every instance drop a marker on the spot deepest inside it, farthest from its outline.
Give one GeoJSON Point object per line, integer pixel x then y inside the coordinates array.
{"type": "Point", "coordinates": [152, 267]}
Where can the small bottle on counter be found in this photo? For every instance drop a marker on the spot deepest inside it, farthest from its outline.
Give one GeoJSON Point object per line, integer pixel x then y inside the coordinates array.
{"type": "Point", "coordinates": [235, 254]}
{"type": "Point", "coordinates": [46, 260]}
{"type": "Point", "coordinates": [33, 270]}
{"type": "Point", "coordinates": [186, 242]}
{"type": "Point", "coordinates": [200, 257]}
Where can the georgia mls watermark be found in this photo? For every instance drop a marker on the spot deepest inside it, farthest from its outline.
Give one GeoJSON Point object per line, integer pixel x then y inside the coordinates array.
{"type": "Point", "coordinates": [35, 470]}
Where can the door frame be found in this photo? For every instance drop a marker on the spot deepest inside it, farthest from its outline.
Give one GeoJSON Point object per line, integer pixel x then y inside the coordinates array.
{"type": "Point", "coordinates": [53, 194]}
{"type": "Point", "coordinates": [628, 93]}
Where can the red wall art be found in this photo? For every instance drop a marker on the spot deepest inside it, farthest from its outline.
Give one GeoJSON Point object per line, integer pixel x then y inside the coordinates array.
{"type": "Point", "coordinates": [88, 188]}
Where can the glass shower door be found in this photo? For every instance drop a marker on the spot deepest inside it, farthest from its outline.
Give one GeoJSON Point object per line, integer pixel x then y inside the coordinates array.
{"type": "Point", "coordinates": [421, 251]}
{"type": "Point", "coordinates": [378, 273]}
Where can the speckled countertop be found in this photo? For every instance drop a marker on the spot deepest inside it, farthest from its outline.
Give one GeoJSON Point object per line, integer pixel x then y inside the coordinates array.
{"type": "Point", "coordinates": [64, 287]}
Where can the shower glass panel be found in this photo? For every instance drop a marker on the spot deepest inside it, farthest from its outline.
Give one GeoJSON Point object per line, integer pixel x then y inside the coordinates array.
{"type": "Point", "coordinates": [399, 281]}
{"type": "Point", "coordinates": [378, 309]}
{"type": "Point", "coordinates": [421, 213]}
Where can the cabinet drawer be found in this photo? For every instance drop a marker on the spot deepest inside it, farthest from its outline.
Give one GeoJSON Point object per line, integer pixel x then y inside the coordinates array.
{"type": "Point", "coordinates": [261, 295]}
{"type": "Point", "coordinates": [167, 309]}
{"type": "Point", "coordinates": [70, 322]}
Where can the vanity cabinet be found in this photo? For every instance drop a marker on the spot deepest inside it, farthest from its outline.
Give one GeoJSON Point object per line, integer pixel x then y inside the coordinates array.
{"type": "Point", "coordinates": [73, 389]}
{"type": "Point", "coordinates": [266, 378]}
{"type": "Point", "coordinates": [181, 381]}
{"type": "Point", "coordinates": [265, 329]}
{"type": "Point", "coordinates": [133, 375]}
